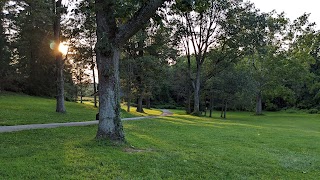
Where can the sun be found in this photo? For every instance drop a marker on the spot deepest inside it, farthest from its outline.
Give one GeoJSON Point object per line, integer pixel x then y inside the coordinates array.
{"type": "Point", "coordinates": [63, 48]}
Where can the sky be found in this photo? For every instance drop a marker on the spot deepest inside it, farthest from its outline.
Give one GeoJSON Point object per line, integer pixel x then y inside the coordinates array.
{"type": "Point", "coordinates": [292, 8]}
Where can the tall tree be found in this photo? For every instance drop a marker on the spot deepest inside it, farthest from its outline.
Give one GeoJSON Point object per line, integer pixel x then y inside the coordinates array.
{"type": "Point", "coordinates": [111, 36]}
{"type": "Point", "coordinates": [57, 8]}
{"type": "Point", "coordinates": [4, 50]}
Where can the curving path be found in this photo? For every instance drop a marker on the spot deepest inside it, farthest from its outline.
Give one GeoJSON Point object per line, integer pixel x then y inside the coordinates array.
{"type": "Point", "coordinates": [3, 129]}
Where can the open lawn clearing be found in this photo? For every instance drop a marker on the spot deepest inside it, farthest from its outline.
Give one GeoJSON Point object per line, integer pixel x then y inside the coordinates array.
{"type": "Point", "coordinates": [177, 147]}
{"type": "Point", "coordinates": [23, 109]}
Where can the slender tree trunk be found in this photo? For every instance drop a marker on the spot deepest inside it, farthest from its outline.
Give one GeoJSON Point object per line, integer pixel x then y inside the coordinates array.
{"type": "Point", "coordinates": [81, 93]}
{"type": "Point", "coordinates": [59, 61]}
{"type": "Point", "coordinates": [196, 109]}
{"type": "Point", "coordinates": [225, 110]}
{"type": "Point", "coordinates": [259, 103]}
{"type": "Point", "coordinates": [189, 84]}
{"type": "Point", "coordinates": [222, 110]}
{"type": "Point", "coordinates": [211, 105]}
{"type": "Point", "coordinates": [93, 65]}
{"type": "Point", "coordinates": [129, 70]}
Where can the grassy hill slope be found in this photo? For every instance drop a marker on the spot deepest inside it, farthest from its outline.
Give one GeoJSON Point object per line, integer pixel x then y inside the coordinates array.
{"type": "Point", "coordinates": [23, 109]}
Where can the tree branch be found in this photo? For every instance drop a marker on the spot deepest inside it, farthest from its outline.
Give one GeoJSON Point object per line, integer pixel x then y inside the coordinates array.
{"type": "Point", "coordinates": [132, 26]}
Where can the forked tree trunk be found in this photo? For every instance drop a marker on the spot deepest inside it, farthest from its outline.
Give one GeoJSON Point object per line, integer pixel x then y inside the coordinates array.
{"type": "Point", "coordinates": [60, 107]}
{"type": "Point", "coordinates": [110, 38]}
{"type": "Point", "coordinates": [259, 103]}
{"type": "Point", "coordinates": [110, 125]}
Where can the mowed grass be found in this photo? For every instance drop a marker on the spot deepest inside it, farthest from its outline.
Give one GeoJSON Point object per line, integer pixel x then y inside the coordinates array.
{"type": "Point", "coordinates": [17, 109]}
{"type": "Point", "coordinates": [274, 146]}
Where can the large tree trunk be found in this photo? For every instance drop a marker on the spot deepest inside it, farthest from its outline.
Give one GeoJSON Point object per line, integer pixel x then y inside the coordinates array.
{"type": "Point", "coordinates": [59, 61]}
{"type": "Point", "coordinates": [110, 38]}
{"type": "Point", "coordinates": [196, 109]}
{"type": "Point", "coordinates": [110, 125]}
{"type": "Point", "coordinates": [259, 103]}
{"type": "Point", "coordinates": [108, 55]}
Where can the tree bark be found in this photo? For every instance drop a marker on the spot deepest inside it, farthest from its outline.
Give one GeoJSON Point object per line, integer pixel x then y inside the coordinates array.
{"type": "Point", "coordinates": [259, 103]}
{"type": "Point", "coordinates": [110, 125]}
{"type": "Point", "coordinates": [60, 107]}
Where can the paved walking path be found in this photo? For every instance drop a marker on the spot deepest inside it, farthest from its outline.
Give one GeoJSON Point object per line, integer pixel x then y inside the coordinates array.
{"type": "Point", "coordinates": [165, 112]}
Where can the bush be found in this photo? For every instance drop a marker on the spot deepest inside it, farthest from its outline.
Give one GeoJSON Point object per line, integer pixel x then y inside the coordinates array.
{"type": "Point", "coordinates": [312, 111]}
{"type": "Point", "coordinates": [292, 110]}
{"type": "Point", "coordinates": [271, 107]}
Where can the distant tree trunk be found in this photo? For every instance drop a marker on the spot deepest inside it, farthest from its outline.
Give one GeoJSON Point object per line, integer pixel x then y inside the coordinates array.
{"type": "Point", "coordinates": [59, 61]}
{"type": "Point", "coordinates": [259, 103]}
{"type": "Point", "coordinates": [129, 73]}
{"type": "Point", "coordinates": [148, 102]}
{"type": "Point", "coordinates": [211, 105]}
{"type": "Point", "coordinates": [128, 104]}
{"type": "Point", "coordinates": [222, 110]}
{"type": "Point", "coordinates": [225, 110]}
{"type": "Point", "coordinates": [139, 105]}
{"type": "Point", "coordinates": [196, 109]}
{"type": "Point", "coordinates": [190, 80]}
{"type": "Point", "coordinates": [93, 65]}
{"type": "Point", "coordinates": [80, 83]}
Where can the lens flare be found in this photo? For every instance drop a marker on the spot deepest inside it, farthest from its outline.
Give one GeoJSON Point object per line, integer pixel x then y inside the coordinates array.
{"type": "Point", "coordinates": [63, 48]}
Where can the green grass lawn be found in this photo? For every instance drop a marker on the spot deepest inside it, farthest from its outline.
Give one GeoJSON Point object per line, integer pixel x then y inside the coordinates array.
{"type": "Point", "coordinates": [23, 109]}
{"type": "Point", "coordinates": [274, 146]}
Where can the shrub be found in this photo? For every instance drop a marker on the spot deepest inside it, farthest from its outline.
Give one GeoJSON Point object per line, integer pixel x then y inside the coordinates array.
{"type": "Point", "coordinates": [312, 111]}
{"type": "Point", "coordinates": [292, 110]}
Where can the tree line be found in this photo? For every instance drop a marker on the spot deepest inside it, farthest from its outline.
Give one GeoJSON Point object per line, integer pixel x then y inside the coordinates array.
{"type": "Point", "coordinates": [197, 55]}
